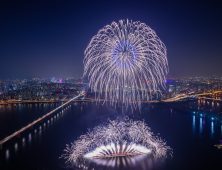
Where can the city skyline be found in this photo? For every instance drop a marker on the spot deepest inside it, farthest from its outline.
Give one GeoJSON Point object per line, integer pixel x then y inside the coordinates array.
{"type": "Point", "coordinates": [48, 39]}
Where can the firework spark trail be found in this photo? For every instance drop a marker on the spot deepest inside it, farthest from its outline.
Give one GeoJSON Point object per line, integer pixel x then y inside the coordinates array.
{"type": "Point", "coordinates": [104, 151]}
{"type": "Point", "coordinates": [126, 61]}
{"type": "Point", "coordinates": [117, 137]}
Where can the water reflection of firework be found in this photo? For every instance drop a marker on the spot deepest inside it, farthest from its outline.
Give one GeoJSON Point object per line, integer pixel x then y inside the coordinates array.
{"type": "Point", "coordinates": [117, 138]}
{"type": "Point", "coordinates": [145, 161]}
{"type": "Point", "coordinates": [142, 162]}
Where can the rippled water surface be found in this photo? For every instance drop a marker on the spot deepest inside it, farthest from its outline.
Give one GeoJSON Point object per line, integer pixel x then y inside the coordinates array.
{"type": "Point", "coordinates": [191, 137]}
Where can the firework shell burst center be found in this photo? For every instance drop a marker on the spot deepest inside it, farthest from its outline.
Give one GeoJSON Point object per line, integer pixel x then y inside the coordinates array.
{"type": "Point", "coordinates": [117, 138]}
{"type": "Point", "coordinates": [125, 62]}
{"type": "Point", "coordinates": [124, 55]}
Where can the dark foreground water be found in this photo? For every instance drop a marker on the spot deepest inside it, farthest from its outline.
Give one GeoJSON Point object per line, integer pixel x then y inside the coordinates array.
{"type": "Point", "coordinates": [191, 137]}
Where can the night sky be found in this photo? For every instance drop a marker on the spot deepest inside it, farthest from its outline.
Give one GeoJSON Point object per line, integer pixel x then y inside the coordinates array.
{"type": "Point", "coordinates": [48, 38]}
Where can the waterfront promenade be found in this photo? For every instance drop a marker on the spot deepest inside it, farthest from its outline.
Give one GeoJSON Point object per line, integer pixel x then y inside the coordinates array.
{"type": "Point", "coordinates": [181, 97]}
{"type": "Point", "coordinates": [35, 101]}
{"type": "Point", "coordinates": [173, 99]}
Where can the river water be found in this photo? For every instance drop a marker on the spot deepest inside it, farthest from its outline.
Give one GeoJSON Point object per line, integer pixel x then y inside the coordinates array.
{"type": "Point", "coordinates": [191, 136]}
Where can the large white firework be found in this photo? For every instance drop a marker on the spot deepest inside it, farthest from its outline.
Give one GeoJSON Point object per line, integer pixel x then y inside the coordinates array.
{"type": "Point", "coordinates": [116, 138]}
{"type": "Point", "coordinates": [126, 62]}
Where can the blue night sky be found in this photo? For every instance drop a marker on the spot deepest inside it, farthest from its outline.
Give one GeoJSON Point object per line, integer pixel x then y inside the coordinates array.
{"type": "Point", "coordinates": [48, 38]}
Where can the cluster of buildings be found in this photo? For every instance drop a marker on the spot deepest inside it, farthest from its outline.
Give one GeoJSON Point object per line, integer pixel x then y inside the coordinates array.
{"type": "Point", "coordinates": [40, 89]}
{"type": "Point", "coordinates": [54, 89]}
{"type": "Point", "coordinates": [189, 85]}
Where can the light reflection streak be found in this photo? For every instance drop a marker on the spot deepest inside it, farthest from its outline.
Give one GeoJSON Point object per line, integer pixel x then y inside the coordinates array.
{"type": "Point", "coordinates": [7, 154]}
{"type": "Point", "coordinates": [212, 128]}
{"type": "Point", "coordinates": [193, 125]}
{"type": "Point", "coordinates": [201, 126]}
{"type": "Point", "coordinates": [23, 142]}
{"type": "Point", "coordinates": [40, 133]}
{"type": "Point", "coordinates": [30, 138]}
{"type": "Point", "coordinates": [16, 147]}
{"type": "Point", "coordinates": [221, 130]}
{"type": "Point", "coordinates": [138, 162]}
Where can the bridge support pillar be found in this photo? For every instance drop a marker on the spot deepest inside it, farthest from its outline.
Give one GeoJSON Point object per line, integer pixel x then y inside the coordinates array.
{"type": "Point", "coordinates": [31, 127]}
{"type": "Point", "coordinates": [0, 146]}
{"type": "Point", "coordinates": [18, 135]}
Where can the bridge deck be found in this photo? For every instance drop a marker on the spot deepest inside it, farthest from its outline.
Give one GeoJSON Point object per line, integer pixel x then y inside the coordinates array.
{"type": "Point", "coordinates": [36, 121]}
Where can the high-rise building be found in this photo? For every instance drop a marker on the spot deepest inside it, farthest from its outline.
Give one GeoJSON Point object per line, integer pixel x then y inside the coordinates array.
{"type": "Point", "coordinates": [178, 88]}
{"type": "Point", "coordinates": [171, 88]}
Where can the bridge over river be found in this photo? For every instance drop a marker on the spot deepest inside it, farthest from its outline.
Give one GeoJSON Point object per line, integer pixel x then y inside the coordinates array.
{"type": "Point", "coordinates": [17, 133]}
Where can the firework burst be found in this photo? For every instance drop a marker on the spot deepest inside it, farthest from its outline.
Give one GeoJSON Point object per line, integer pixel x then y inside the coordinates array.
{"type": "Point", "coordinates": [126, 62]}
{"type": "Point", "coordinates": [116, 138]}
